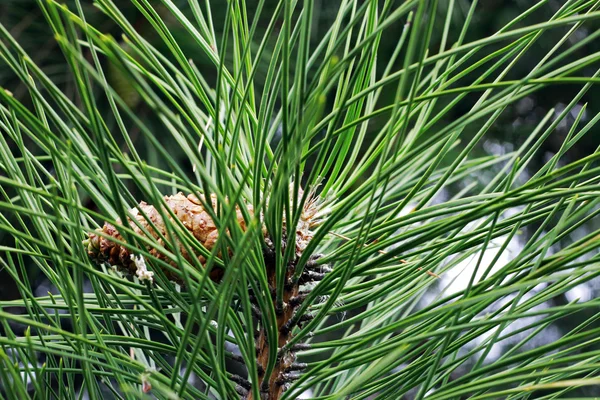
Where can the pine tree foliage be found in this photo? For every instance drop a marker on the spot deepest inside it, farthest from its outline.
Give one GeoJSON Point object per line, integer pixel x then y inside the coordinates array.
{"type": "Point", "coordinates": [239, 201]}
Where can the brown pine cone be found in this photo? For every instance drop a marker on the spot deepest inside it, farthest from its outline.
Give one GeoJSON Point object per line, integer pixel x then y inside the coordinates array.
{"type": "Point", "coordinates": [188, 210]}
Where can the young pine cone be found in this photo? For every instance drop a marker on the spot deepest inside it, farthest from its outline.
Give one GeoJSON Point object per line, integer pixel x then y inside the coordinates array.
{"type": "Point", "coordinates": [191, 214]}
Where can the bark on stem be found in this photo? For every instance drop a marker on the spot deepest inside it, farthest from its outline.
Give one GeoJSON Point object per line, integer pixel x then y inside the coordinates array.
{"type": "Point", "coordinates": [271, 386]}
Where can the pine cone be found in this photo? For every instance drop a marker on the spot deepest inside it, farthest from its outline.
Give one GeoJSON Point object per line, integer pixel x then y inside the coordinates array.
{"type": "Point", "coordinates": [191, 214]}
